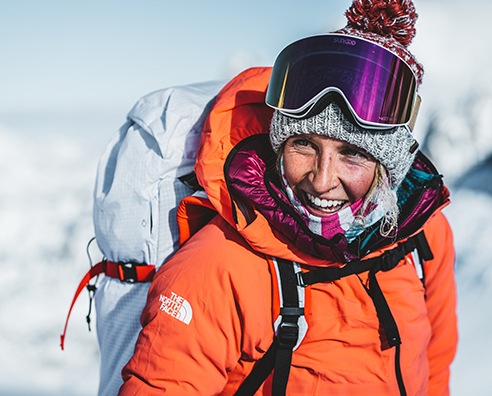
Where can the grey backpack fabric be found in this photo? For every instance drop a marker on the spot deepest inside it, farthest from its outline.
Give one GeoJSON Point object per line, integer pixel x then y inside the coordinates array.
{"type": "Point", "coordinates": [136, 196]}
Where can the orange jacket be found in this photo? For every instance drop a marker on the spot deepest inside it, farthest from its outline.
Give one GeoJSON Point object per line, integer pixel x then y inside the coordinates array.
{"type": "Point", "coordinates": [209, 313]}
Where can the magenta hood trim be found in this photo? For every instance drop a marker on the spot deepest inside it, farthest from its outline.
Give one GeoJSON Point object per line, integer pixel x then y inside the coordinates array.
{"type": "Point", "coordinates": [251, 174]}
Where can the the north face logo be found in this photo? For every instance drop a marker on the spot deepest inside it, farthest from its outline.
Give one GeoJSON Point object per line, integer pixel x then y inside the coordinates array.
{"type": "Point", "coordinates": [177, 307]}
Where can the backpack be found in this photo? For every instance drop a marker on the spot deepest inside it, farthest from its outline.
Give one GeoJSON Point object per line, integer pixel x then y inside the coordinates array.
{"type": "Point", "coordinates": [136, 195]}
{"type": "Point", "coordinates": [144, 173]}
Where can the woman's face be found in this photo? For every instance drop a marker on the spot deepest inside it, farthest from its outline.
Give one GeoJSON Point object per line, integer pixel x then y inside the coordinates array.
{"type": "Point", "coordinates": [327, 174]}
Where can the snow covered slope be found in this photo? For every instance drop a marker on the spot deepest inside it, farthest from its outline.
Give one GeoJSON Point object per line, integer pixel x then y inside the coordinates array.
{"type": "Point", "coordinates": [470, 216]}
{"type": "Point", "coordinates": [45, 224]}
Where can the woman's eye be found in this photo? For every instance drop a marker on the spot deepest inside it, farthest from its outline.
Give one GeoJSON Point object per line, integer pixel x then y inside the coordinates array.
{"type": "Point", "coordinates": [302, 142]}
{"type": "Point", "coordinates": [354, 153]}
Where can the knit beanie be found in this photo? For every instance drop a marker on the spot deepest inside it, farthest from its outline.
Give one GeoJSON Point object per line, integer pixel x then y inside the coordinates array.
{"type": "Point", "coordinates": [391, 24]}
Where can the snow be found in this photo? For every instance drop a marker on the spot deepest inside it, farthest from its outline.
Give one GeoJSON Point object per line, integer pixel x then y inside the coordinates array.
{"type": "Point", "coordinates": [470, 215]}
{"type": "Point", "coordinates": [46, 223]}
{"type": "Point", "coordinates": [45, 217]}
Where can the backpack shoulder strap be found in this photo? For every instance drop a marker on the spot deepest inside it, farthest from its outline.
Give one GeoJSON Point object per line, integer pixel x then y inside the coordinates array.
{"type": "Point", "coordinates": [289, 328]}
{"type": "Point", "coordinates": [193, 213]}
{"type": "Point", "coordinates": [420, 254]}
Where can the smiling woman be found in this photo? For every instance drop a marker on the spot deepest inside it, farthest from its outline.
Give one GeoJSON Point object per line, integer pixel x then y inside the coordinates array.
{"type": "Point", "coordinates": [305, 281]}
{"type": "Point", "coordinates": [324, 174]}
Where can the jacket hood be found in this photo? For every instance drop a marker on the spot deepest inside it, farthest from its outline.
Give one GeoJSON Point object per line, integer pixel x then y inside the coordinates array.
{"type": "Point", "coordinates": [239, 113]}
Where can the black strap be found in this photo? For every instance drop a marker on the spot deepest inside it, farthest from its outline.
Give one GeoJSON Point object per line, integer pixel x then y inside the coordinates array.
{"type": "Point", "coordinates": [279, 355]}
{"type": "Point", "coordinates": [259, 374]}
{"type": "Point", "coordinates": [383, 310]}
{"type": "Point", "coordinates": [423, 247]}
{"type": "Point", "coordinates": [288, 331]}
{"type": "Point", "coordinates": [387, 261]}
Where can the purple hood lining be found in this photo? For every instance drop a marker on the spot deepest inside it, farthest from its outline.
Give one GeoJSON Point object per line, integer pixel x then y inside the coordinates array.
{"type": "Point", "coordinates": [251, 174]}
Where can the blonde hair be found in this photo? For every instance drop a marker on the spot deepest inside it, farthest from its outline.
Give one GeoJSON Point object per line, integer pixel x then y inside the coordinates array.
{"type": "Point", "coordinates": [381, 194]}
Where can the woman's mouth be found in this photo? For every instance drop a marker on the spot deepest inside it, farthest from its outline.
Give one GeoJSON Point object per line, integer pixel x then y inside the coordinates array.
{"type": "Point", "coordinates": [325, 205]}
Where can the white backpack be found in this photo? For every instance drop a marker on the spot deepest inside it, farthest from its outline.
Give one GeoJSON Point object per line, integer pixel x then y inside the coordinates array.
{"type": "Point", "coordinates": [136, 196]}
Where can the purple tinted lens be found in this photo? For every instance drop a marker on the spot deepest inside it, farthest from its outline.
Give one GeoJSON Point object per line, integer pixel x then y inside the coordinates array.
{"type": "Point", "coordinates": [379, 86]}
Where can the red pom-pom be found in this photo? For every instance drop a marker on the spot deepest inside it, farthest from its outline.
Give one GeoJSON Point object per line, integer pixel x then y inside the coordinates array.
{"type": "Point", "coordinates": [395, 18]}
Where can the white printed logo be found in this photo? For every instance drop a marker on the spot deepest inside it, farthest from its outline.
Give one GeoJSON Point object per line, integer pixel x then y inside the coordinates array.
{"type": "Point", "coordinates": [177, 307]}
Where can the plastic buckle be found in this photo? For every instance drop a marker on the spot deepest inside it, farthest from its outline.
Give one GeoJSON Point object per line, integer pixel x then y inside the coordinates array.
{"type": "Point", "coordinates": [288, 334]}
{"type": "Point", "coordinates": [300, 279]}
{"type": "Point", "coordinates": [391, 258]}
{"type": "Point", "coordinates": [387, 261]}
{"type": "Point", "coordinates": [128, 272]}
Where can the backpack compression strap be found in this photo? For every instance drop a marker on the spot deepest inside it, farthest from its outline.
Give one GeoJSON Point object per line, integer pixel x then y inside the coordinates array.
{"type": "Point", "coordinates": [125, 272]}
{"type": "Point", "coordinates": [280, 352]}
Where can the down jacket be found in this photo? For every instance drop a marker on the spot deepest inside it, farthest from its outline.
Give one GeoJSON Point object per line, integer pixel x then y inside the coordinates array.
{"type": "Point", "coordinates": [210, 310]}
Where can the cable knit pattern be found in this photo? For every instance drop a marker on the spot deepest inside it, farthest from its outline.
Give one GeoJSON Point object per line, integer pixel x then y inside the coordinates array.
{"type": "Point", "coordinates": [390, 147]}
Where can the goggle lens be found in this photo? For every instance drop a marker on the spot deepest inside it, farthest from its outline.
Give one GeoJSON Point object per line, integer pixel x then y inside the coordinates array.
{"type": "Point", "coordinates": [378, 86]}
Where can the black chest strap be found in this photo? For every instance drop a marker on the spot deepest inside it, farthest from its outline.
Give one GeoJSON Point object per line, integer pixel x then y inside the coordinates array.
{"type": "Point", "coordinates": [279, 355]}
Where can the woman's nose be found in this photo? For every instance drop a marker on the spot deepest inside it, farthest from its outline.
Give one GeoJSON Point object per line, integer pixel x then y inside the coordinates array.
{"type": "Point", "coordinates": [324, 174]}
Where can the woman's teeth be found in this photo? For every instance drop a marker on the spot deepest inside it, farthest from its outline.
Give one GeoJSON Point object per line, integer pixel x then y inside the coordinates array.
{"type": "Point", "coordinates": [328, 205]}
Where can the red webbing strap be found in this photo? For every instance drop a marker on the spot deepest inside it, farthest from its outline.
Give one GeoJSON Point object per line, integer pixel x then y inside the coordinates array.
{"type": "Point", "coordinates": [130, 272]}
{"type": "Point", "coordinates": [94, 271]}
{"type": "Point", "coordinates": [126, 272]}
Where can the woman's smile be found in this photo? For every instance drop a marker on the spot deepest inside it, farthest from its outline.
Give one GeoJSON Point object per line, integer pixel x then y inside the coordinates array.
{"type": "Point", "coordinates": [326, 174]}
{"type": "Point", "coordinates": [325, 205]}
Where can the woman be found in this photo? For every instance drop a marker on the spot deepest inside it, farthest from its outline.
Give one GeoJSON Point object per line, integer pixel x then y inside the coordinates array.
{"type": "Point", "coordinates": [344, 189]}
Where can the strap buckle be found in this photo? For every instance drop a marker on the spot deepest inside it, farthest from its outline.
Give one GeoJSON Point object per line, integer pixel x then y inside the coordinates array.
{"type": "Point", "coordinates": [288, 334]}
{"type": "Point", "coordinates": [300, 279]}
{"type": "Point", "coordinates": [127, 272]}
{"type": "Point", "coordinates": [388, 260]}
{"type": "Point", "coordinates": [391, 258]}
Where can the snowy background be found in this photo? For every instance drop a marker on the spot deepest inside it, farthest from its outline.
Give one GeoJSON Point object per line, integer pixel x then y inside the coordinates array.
{"type": "Point", "coordinates": [69, 73]}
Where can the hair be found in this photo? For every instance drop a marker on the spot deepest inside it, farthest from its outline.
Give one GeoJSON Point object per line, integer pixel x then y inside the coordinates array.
{"type": "Point", "coordinates": [379, 193]}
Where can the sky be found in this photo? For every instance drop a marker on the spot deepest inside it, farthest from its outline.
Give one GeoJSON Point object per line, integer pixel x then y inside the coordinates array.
{"type": "Point", "coordinates": [73, 67]}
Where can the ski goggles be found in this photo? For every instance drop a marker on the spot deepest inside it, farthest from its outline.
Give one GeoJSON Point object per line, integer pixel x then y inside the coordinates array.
{"type": "Point", "coordinates": [378, 87]}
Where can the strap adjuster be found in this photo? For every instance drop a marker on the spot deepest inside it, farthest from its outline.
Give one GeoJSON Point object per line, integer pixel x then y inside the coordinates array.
{"type": "Point", "coordinates": [129, 272]}
{"type": "Point", "coordinates": [387, 261]}
{"type": "Point", "coordinates": [300, 279]}
{"type": "Point", "coordinates": [391, 258]}
{"type": "Point", "coordinates": [287, 336]}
